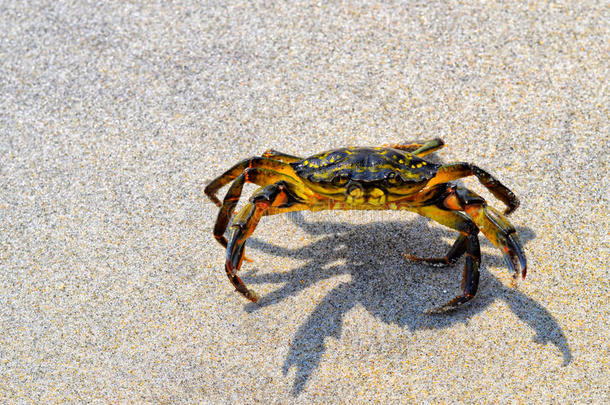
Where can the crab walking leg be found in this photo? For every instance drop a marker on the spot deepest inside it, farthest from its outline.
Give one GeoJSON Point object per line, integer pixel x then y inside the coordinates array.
{"type": "Point", "coordinates": [491, 223]}
{"type": "Point", "coordinates": [459, 170]}
{"type": "Point", "coordinates": [260, 176]}
{"type": "Point", "coordinates": [419, 149]}
{"type": "Point", "coordinates": [284, 157]}
{"type": "Point", "coordinates": [274, 197]}
{"type": "Point", "coordinates": [468, 241]}
{"type": "Point", "coordinates": [236, 170]}
{"type": "Point", "coordinates": [429, 147]}
{"type": "Point", "coordinates": [455, 252]}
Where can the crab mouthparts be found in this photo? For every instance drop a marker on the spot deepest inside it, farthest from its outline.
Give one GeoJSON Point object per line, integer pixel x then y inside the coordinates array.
{"type": "Point", "coordinates": [357, 195]}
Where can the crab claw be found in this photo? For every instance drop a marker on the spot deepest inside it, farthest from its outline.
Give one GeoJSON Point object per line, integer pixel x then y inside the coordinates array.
{"type": "Point", "coordinates": [502, 234]}
{"type": "Point", "coordinates": [513, 255]}
{"type": "Point", "coordinates": [235, 256]}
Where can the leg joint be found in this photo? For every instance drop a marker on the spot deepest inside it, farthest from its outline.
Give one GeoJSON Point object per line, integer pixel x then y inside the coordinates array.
{"type": "Point", "coordinates": [467, 197]}
{"type": "Point", "coordinates": [457, 198]}
{"type": "Point", "coordinates": [269, 193]}
{"type": "Point", "coordinates": [468, 228]}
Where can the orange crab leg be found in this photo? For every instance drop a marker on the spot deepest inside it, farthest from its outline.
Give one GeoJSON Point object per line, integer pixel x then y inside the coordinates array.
{"type": "Point", "coordinates": [459, 170]}
{"type": "Point", "coordinates": [455, 252]}
{"type": "Point", "coordinates": [284, 157]}
{"type": "Point", "coordinates": [467, 242]}
{"type": "Point", "coordinates": [491, 223]}
{"type": "Point", "coordinates": [236, 170]}
{"type": "Point", "coordinates": [468, 213]}
{"type": "Point", "coordinates": [272, 199]}
{"type": "Point", "coordinates": [260, 176]}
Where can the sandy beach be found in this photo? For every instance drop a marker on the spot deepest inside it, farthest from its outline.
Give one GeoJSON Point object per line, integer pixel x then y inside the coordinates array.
{"type": "Point", "coordinates": [114, 116]}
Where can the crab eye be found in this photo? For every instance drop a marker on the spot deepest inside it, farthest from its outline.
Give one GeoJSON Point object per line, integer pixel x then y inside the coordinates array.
{"type": "Point", "coordinates": [393, 179]}
{"type": "Point", "coordinates": [340, 179]}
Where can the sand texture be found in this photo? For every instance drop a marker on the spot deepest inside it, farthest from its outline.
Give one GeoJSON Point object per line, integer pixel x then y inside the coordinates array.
{"type": "Point", "coordinates": [115, 115]}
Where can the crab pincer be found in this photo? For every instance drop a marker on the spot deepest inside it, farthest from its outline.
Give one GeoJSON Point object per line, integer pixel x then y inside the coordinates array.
{"type": "Point", "coordinates": [502, 234]}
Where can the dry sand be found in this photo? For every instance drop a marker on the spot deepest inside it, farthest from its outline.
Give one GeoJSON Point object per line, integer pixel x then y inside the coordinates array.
{"type": "Point", "coordinates": [115, 115]}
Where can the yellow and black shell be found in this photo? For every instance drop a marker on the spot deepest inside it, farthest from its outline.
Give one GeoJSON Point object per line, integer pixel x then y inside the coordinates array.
{"type": "Point", "coordinates": [364, 165]}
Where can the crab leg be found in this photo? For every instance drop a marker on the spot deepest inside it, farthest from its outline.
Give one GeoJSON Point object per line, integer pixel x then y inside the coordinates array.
{"type": "Point", "coordinates": [284, 157]}
{"type": "Point", "coordinates": [459, 170]}
{"type": "Point", "coordinates": [236, 170]}
{"type": "Point", "coordinates": [260, 176]}
{"type": "Point", "coordinates": [419, 149]}
{"type": "Point", "coordinates": [445, 208]}
{"type": "Point", "coordinates": [491, 223]}
{"type": "Point", "coordinates": [455, 252]}
{"type": "Point", "coordinates": [274, 198]}
{"type": "Point", "coordinates": [467, 242]}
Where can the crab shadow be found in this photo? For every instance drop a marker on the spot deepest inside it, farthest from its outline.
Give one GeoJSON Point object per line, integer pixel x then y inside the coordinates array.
{"type": "Point", "coordinates": [392, 289]}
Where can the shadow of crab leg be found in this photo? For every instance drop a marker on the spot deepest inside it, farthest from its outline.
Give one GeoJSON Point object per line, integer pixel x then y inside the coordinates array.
{"type": "Point", "coordinates": [459, 170]}
{"type": "Point", "coordinates": [467, 242]}
{"type": "Point", "coordinates": [231, 174]}
{"type": "Point", "coordinates": [274, 196]}
{"type": "Point", "coordinates": [259, 176]}
{"type": "Point", "coordinates": [419, 149]}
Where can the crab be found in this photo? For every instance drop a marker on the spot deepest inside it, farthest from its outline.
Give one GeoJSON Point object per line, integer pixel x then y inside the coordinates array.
{"type": "Point", "coordinates": [391, 177]}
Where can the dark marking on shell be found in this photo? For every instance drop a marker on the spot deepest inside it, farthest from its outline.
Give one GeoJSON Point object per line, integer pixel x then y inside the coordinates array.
{"type": "Point", "coordinates": [367, 165]}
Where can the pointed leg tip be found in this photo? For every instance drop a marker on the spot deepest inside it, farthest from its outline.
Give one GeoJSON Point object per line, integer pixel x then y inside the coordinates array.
{"type": "Point", "coordinates": [441, 310]}
{"type": "Point", "coordinates": [409, 256]}
{"type": "Point", "coordinates": [433, 261]}
{"type": "Point", "coordinates": [452, 305]}
{"type": "Point", "coordinates": [413, 258]}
